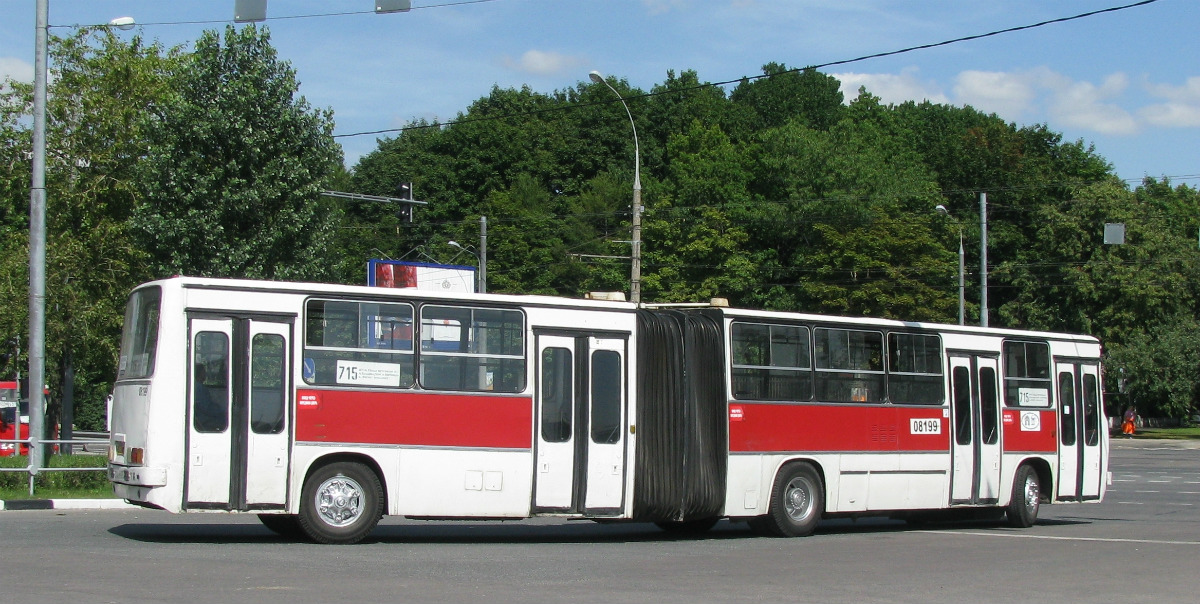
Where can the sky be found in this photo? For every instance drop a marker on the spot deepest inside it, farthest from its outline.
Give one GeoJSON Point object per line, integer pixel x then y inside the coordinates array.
{"type": "Point", "coordinates": [1126, 81]}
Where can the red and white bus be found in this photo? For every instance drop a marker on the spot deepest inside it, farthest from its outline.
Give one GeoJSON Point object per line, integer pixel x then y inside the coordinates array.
{"type": "Point", "coordinates": [323, 407]}
{"type": "Point", "coordinates": [14, 421]}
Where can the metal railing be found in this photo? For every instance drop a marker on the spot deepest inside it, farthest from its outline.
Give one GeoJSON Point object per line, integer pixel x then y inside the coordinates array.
{"type": "Point", "coordinates": [86, 443]}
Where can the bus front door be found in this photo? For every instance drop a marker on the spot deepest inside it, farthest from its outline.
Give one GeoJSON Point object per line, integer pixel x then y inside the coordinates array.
{"type": "Point", "coordinates": [581, 425]}
{"type": "Point", "coordinates": [975, 443]}
{"type": "Point", "coordinates": [239, 389]}
{"type": "Point", "coordinates": [1080, 438]}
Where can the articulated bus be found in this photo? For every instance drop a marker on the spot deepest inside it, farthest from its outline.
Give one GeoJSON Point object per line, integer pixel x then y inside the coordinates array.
{"type": "Point", "coordinates": [321, 408]}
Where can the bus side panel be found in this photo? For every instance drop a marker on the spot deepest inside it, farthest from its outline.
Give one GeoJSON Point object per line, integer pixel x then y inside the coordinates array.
{"type": "Point", "coordinates": [762, 427]}
{"type": "Point", "coordinates": [463, 483]}
{"type": "Point", "coordinates": [414, 418]}
{"type": "Point", "coordinates": [883, 457]}
{"type": "Point", "coordinates": [1033, 431]}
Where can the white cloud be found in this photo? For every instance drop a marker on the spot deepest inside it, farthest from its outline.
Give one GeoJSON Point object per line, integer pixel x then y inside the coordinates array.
{"type": "Point", "coordinates": [1182, 106]}
{"type": "Point", "coordinates": [543, 63]}
{"type": "Point", "coordinates": [1011, 95]}
{"type": "Point", "coordinates": [1042, 94]}
{"type": "Point", "coordinates": [16, 69]}
{"type": "Point", "coordinates": [891, 88]}
{"type": "Point", "coordinates": [1086, 105]}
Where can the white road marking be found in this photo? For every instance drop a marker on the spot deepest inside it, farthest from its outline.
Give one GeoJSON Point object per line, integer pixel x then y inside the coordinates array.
{"type": "Point", "coordinates": [1052, 538]}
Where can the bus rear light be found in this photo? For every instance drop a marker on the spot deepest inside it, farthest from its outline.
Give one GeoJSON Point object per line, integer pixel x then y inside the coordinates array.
{"type": "Point", "coordinates": [135, 455]}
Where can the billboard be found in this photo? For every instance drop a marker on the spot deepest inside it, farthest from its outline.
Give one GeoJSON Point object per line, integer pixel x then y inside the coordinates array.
{"type": "Point", "coordinates": [425, 276]}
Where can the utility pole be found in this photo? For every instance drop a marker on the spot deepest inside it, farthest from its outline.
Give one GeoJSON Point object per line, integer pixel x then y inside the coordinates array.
{"type": "Point", "coordinates": [483, 254]}
{"type": "Point", "coordinates": [37, 248]}
{"type": "Point", "coordinates": [983, 270]}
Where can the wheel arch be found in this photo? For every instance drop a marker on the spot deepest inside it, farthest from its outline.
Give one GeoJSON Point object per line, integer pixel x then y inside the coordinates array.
{"type": "Point", "coordinates": [812, 462]}
{"type": "Point", "coordinates": [1045, 476]}
{"type": "Point", "coordinates": [350, 457]}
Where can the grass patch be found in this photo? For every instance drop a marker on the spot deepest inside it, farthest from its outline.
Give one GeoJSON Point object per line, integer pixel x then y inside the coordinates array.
{"type": "Point", "coordinates": [56, 485]}
{"type": "Point", "coordinates": [1189, 433]}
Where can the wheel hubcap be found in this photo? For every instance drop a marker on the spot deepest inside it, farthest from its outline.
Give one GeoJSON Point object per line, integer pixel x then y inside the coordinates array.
{"type": "Point", "coordinates": [798, 499]}
{"type": "Point", "coordinates": [1032, 494]}
{"type": "Point", "coordinates": [339, 501]}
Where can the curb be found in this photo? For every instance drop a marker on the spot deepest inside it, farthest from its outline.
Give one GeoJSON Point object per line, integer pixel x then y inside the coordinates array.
{"type": "Point", "coordinates": [65, 504]}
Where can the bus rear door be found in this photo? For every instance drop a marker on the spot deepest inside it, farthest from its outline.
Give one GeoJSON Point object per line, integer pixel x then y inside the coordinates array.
{"type": "Point", "coordinates": [1080, 439]}
{"type": "Point", "coordinates": [239, 388]}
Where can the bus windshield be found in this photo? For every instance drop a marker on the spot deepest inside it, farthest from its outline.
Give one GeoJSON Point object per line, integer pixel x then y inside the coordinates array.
{"type": "Point", "coordinates": [140, 337]}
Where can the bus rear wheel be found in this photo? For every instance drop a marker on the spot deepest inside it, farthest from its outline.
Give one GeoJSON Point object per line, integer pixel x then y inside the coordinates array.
{"type": "Point", "coordinates": [1022, 511]}
{"type": "Point", "coordinates": [797, 503]}
{"type": "Point", "coordinates": [341, 503]}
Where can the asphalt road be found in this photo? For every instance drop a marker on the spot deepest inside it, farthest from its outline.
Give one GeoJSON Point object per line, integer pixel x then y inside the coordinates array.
{"type": "Point", "coordinates": [1141, 545]}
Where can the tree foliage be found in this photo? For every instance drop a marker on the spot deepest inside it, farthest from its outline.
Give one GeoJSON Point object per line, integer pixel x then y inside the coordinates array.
{"type": "Point", "coordinates": [234, 167]}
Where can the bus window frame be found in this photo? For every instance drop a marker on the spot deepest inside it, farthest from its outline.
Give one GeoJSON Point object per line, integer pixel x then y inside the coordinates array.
{"type": "Point", "coordinates": [850, 374]}
{"type": "Point", "coordinates": [1016, 380]}
{"type": "Point", "coordinates": [362, 353]}
{"type": "Point", "coordinates": [938, 379]}
{"type": "Point", "coordinates": [772, 368]}
{"type": "Point", "coordinates": [500, 361]}
{"type": "Point", "coordinates": [135, 334]}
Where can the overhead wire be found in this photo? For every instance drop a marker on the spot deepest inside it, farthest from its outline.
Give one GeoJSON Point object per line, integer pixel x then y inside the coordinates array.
{"type": "Point", "coordinates": [685, 89]}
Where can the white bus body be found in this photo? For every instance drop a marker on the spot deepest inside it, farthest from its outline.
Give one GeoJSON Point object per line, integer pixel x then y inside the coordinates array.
{"type": "Point", "coordinates": [322, 407]}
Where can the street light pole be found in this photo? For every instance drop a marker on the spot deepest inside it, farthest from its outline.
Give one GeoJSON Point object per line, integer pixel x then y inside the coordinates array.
{"type": "Point", "coordinates": [37, 244]}
{"type": "Point", "coordinates": [983, 269]}
{"type": "Point", "coordinates": [635, 269]}
{"type": "Point", "coordinates": [481, 262]}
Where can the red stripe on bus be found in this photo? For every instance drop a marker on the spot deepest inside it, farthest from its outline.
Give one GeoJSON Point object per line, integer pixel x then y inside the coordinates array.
{"type": "Point", "coordinates": [761, 428]}
{"type": "Point", "coordinates": [414, 418]}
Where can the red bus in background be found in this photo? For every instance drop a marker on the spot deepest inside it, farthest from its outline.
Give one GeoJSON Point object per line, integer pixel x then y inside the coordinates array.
{"type": "Point", "coordinates": [9, 412]}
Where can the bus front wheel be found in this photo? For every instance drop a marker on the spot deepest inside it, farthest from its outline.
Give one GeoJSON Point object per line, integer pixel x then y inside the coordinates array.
{"type": "Point", "coordinates": [797, 503]}
{"type": "Point", "coordinates": [1022, 511]}
{"type": "Point", "coordinates": [341, 503]}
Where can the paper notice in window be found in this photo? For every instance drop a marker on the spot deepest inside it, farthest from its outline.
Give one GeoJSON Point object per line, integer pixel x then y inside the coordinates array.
{"type": "Point", "coordinates": [1033, 397]}
{"type": "Point", "coordinates": [363, 373]}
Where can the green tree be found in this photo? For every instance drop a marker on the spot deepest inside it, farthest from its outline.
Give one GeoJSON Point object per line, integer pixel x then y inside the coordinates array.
{"type": "Point", "coordinates": [1159, 368]}
{"type": "Point", "coordinates": [783, 95]}
{"type": "Point", "coordinates": [848, 217]}
{"type": "Point", "coordinates": [99, 91]}
{"type": "Point", "coordinates": [235, 166]}
{"type": "Point", "coordinates": [694, 242]}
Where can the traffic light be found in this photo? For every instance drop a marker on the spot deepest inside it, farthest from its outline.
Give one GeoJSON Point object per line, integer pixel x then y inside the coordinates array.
{"type": "Point", "coordinates": [405, 191]}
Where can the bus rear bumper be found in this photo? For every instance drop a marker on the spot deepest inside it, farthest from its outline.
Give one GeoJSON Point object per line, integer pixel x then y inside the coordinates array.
{"type": "Point", "coordinates": [138, 476]}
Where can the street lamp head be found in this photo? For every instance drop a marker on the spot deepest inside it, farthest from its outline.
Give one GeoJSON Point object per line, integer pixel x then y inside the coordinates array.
{"type": "Point", "coordinates": [123, 23]}
{"type": "Point", "coordinates": [596, 77]}
{"type": "Point", "coordinates": [941, 209]}
{"type": "Point", "coordinates": [455, 244]}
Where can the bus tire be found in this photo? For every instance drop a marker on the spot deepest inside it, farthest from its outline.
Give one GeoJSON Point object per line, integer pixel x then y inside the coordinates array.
{"type": "Point", "coordinates": [1022, 510]}
{"type": "Point", "coordinates": [341, 503]}
{"type": "Point", "coordinates": [284, 525]}
{"type": "Point", "coordinates": [797, 503]}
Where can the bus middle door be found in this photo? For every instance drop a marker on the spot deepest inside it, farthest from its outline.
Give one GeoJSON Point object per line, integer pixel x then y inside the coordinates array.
{"type": "Point", "coordinates": [581, 425]}
{"type": "Point", "coordinates": [238, 437]}
{"type": "Point", "coordinates": [975, 443]}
